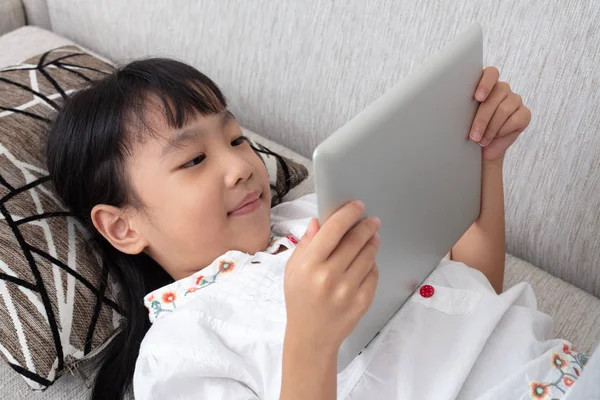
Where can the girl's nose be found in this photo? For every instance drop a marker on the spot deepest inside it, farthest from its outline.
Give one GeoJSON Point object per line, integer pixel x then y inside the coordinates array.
{"type": "Point", "coordinates": [237, 169]}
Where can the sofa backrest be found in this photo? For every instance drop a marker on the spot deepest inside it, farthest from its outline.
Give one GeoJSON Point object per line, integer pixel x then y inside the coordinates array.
{"type": "Point", "coordinates": [297, 70]}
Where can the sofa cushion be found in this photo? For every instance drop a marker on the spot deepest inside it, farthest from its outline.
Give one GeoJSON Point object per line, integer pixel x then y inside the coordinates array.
{"type": "Point", "coordinates": [576, 313]}
{"type": "Point", "coordinates": [60, 305]}
{"type": "Point", "coordinates": [26, 42]}
{"type": "Point", "coordinates": [11, 15]}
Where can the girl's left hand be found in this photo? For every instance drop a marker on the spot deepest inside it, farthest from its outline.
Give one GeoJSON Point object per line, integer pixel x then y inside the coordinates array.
{"type": "Point", "coordinates": [501, 116]}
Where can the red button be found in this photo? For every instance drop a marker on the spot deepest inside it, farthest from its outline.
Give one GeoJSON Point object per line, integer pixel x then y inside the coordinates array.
{"type": "Point", "coordinates": [427, 291]}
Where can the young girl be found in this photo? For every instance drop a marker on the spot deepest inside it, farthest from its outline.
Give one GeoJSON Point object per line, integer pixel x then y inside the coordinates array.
{"type": "Point", "coordinates": [248, 302]}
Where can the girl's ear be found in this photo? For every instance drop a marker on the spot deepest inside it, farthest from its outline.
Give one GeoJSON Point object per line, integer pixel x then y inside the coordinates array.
{"type": "Point", "coordinates": [119, 228]}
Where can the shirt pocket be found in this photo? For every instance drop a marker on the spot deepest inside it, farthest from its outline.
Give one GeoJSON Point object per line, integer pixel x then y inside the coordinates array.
{"type": "Point", "coordinates": [448, 300]}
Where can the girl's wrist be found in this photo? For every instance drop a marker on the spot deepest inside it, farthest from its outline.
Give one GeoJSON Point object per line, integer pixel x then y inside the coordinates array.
{"type": "Point", "coordinates": [298, 345]}
{"type": "Point", "coordinates": [496, 163]}
{"type": "Point", "coordinates": [308, 372]}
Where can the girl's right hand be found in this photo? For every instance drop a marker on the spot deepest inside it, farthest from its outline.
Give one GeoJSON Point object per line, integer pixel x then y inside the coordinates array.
{"type": "Point", "coordinates": [331, 277]}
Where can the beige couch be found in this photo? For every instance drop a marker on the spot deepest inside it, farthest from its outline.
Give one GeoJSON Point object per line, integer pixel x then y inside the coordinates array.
{"type": "Point", "coordinates": [294, 71]}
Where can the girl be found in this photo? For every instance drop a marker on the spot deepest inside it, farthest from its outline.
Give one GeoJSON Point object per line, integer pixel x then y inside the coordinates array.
{"type": "Point", "coordinates": [247, 302]}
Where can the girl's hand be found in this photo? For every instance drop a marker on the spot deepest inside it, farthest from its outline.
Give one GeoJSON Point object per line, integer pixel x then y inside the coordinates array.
{"type": "Point", "coordinates": [330, 279]}
{"type": "Point", "coordinates": [501, 116]}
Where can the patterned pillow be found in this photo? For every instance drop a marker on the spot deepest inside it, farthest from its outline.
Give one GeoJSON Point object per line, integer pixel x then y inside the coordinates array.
{"type": "Point", "coordinates": [284, 174]}
{"type": "Point", "coordinates": [58, 306]}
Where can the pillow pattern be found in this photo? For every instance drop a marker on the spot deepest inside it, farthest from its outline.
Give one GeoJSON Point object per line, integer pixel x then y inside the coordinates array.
{"type": "Point", "coordinates": [58, 305]}
{"type": "Point", "coordinates": [284, 174]}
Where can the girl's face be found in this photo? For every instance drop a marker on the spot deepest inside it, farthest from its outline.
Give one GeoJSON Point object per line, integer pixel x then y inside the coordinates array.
{"type": "Point", "coordinates": [193, 183]}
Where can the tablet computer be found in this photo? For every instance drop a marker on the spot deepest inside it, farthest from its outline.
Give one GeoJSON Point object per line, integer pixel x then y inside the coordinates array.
{"type": "Point", "coordinates": [407, 156]}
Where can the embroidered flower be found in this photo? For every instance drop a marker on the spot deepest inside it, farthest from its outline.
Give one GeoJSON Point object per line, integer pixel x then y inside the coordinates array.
{"type": "Point", "coordinates": [151, 298]}
{"type": "Point", "coordinates": [538, 390]}
{"type": "Point", "coordinates": [292, 239]}
{"type": "Point", "coordinates": [191, 290]}
{"type": "Point", "coordinates": [226, 266]}
{"type": "Point", "coordinates": [199, 280]}
{"type": "Point", "coordinates": [168, 297]}
{"type": "Point", "coordinates": [566, 349]}
{"type": "Point", "coordinates": [568, 381]}
{"type": "Point", "coordinates": [558, 361]}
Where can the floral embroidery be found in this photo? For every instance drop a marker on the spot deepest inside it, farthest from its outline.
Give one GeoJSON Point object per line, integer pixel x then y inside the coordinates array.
{"type": "Point", "coordinates": [568, 367]}
{"type": "Point", "coordinates": [168, 297]}
{"type": "Point", "coordinates": [190, 290]}
{"type": "Point", "coordinates": [538, 390]}
{"type": "Point", "coordinates": [558, 361]}
{"type": "Point", "coordinates": [226, 266]}
{"type": "Point", "coordinates": [568, 381]}
{"type": "Point", "coordinates": [292, 239]}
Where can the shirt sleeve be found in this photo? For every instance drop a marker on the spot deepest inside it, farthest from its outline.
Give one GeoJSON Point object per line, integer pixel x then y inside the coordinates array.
{"type": "Point", "coordinates": [156, 380]}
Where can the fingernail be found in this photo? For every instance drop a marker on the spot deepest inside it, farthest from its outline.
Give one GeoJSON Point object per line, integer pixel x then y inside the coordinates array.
{"type": "Point", "coordinates": [360, 204]}
{"type": "Point", "coordinates": [483, 142]}
{"type": "Point", "coordinates": [376, 239]}
{"type": "Point", "coordinates": [377, 222]}
{"type": "Point", "coordinates": [480, 95]}
{"type": "Point", "coordinates": [476, 135]}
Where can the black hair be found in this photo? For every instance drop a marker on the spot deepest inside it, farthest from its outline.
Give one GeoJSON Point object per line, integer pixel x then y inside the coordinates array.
{"type": "Point", "coordinates": [87, 147]}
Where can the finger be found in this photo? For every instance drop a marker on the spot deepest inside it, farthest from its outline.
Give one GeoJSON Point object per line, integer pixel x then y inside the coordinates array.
{"type": "Point", "coordinates": [505, 109]}
{"type": "Point", "coordinates": [366, 290]}
{"type": "Point", "coordinates": [518, 121]}
{"type": "Point", "coordinates": [333, 230]}
{"type": "Point", "coordinates": [353, 243]}
{"type": "Point", "coordinates": [487, 109]}
{"type": "Point", "coordinates": [312, 228]}
{"type": "Point", "coordinates": [499, 146]}
{"type": "Point", "coordinates": [363, 263]}
{"type": "Point", "coordinates": [486, 83]}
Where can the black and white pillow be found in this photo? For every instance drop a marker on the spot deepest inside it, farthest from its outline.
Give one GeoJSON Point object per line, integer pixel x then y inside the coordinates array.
{"type": "Point", "coordinates": [284, 173]}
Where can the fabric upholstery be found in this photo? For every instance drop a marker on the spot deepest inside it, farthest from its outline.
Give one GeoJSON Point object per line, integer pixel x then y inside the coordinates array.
{"type": "Point", "coordinates": [12, 15]}
{"type": "Point", "coordinates": [296, 71]}
{"type": "Point", "coordinates": [26, 42]}
{"type": "Point", "coordinates": [37, 13]}
{"type": "Point", "coordinates": [576, 313]}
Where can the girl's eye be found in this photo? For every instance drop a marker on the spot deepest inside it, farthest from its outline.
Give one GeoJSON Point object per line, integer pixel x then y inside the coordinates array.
{"type": "Point", "coordinates": [194, 161]}
{"type": "Point", "coordinates": [238, 140]}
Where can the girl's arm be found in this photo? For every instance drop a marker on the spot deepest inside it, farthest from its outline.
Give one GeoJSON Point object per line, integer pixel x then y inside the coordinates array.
{"type": "Point", "coordinates": [483, 246]}
{"type": "Point", "coordinates": [307, 373]}
{"type": "Point", "coordinates": [499, 121]}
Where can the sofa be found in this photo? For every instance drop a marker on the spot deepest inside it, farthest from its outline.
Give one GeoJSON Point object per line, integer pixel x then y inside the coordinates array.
{"type": "Point", "coordinates": [295, 71]}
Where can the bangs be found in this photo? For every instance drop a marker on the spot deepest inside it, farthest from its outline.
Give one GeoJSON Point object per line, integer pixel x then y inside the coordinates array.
{"type": "Point", "coordinates": [169, 88]}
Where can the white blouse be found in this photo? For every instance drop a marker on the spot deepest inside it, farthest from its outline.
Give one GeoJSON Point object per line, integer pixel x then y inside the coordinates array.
{"type": "Point", "coordinates": [218, 334]}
